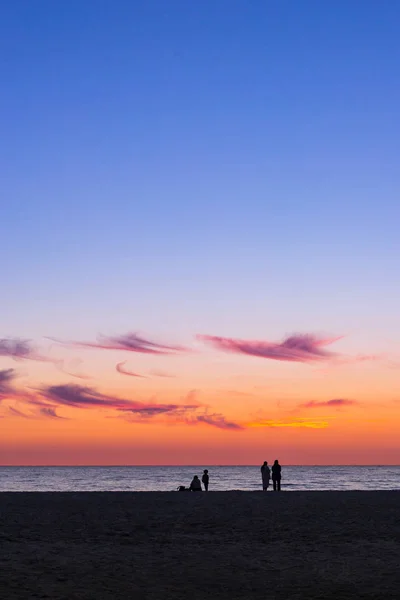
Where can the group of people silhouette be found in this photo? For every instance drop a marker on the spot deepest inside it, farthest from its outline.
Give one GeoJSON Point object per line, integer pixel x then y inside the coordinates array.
{"type": "Point", "coordinates": [275, 471]}
{"type": "Point", "coordinates": [195, 485]}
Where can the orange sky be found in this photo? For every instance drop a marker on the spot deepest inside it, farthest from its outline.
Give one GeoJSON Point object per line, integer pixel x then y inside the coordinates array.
{"type": "Point", "coordinates": [246, 409]}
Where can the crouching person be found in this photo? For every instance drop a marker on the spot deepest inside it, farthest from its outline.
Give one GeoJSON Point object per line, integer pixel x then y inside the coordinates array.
{"type": "Point", "coordinates": [195, 486]}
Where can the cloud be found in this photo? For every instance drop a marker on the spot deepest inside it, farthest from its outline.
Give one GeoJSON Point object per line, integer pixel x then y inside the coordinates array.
{"type": "Point", "coordinates": [335, 402]}
{"type": "Point", "coordinates": [15, 348]}
{"type": "Point", "coordinates": [78, 396]}
{"type": "Point", "coordinates": [20, 350]}
{"type": "Point", "coordinates": [219, 421]}
{"type": "Point", "coordinates": [7, 375]}
{"type": "Point", "coordinates": [291, 423]}
{"type": "Point", "coordinates": [47, 411]}
{"type": "Point", "coordinates": [367, 357]}
{"type": "Point", "coordinates": [152, 409]}
{"type": "Point", "coordinates": [32, 399]}
{"type": "Point", "coordinates": [157, 373]}
{"type": "Point", "coordinates": [191, 396]}
{"type": "Point", "coordinates": [6, 378]}
{"type": "Point", "coordinates": [74, 364]}
{"type": "Point", "coordinates": [43, 409]}
{"type": "Point", "coordinates": [130, 342]}
{"type": "Point", "coordinates": [160, 409]}
{"type": "Point", "coordinates": [340, 361]}
{"type": "Point", "coordinates": [120, 368]}
{"type": "Point", "coordinates": [296, 348]}
{"type": "Point", "coordinates": [47, 400]}
{"type": "Point", "coordinates": [17, 413]}
{"type": "Point", "coordinates": [74, 395]}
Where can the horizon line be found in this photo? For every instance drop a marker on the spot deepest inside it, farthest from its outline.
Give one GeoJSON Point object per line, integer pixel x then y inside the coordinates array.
{"type": "Point", "coordinates": [217, 465]}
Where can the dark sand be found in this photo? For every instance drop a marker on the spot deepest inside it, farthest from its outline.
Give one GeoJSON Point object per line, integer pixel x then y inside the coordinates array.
{"type": "Point", "coordinates": [220, 545]}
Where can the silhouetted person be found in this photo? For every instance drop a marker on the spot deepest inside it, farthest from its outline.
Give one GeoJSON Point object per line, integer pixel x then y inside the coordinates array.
{"type": "Point", "coordinates": [265, 475]}
{"type": "Point", "coordinates": [205, 479]}
{"type": "Point", "coordinates": [276, 476]}
{"type": "Point", "coordinates": [195, 486]}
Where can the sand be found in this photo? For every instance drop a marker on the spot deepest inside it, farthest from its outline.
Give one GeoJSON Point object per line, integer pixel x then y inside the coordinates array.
{"type": "Point", "coordinates": [220, 545]}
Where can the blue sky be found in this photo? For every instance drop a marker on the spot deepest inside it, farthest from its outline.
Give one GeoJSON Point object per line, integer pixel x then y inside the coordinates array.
{"type": "Point", "coordinates": [221, 167]}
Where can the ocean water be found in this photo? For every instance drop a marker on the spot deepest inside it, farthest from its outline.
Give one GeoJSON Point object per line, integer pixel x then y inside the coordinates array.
{"type": "Point", "coordinates": [222, 478]}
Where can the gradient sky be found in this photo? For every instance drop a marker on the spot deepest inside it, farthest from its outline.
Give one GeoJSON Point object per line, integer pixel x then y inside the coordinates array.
{"type": "Point", "coordinates": [224, 169]}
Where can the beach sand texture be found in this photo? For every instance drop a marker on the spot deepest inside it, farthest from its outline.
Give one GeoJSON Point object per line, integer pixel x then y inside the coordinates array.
{"type": "Point", "coordinates": [236, 545]}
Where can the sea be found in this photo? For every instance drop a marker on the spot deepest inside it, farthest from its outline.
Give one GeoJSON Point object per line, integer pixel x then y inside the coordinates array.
{"type": "Point", "coordinates": [222, 478]}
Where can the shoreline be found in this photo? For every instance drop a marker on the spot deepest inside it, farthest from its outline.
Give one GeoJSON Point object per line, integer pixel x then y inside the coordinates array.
{"type": "Point", "coordinates": [213, 492]}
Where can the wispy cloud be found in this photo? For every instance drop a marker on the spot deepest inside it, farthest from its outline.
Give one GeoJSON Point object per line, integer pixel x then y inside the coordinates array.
{"type": "Point", "coordinates": [36, 407]}
{"type": "Point", "coordinates": [296, 348]}
{"type": "Point", "coordinates": [191, 396]}
{"type": "Point", "coordinates": [219, 421]}
{"type": "Point", "coordinates": [335, 403]}
{"type": "Point", "coordinates": [47, 411]}
{"type": "Point", "coordinates": [7, 376]}
{"type": "Point", "coordinates": [78, 396]}
{"type": "Point", "coordinates": [343, 361]}
{"type": "Point", "coordinates": [153, 410]}
{"type": "Point", "coordinates": [83, 397]}
{"type": "Point", "coordinates": [121, 369]}
{"type": "Point", "coordinates": [21, 350]}
{"type": "Point", "coordinates": [130, 342]}
{"type": "Point", "coordinates": [15, 348]}
{"type": "Point", "coordinates": [72, 369]}
{"type": "Point", "coordinates": [18, 413]}
{"type": "Point", "coordinates": [157, 373]}
{"type": "Point", "coordinates": [360, 358]}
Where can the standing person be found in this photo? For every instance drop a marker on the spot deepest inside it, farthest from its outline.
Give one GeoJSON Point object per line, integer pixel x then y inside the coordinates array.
{"type": "Point", "coordinates": [205, 479]}
{"type": "Point", "coordinates": [265, 475]}
{"type": "Point", "coordinates": [276, 476]}
{"type": "Point", "coordinates": [195, 486]}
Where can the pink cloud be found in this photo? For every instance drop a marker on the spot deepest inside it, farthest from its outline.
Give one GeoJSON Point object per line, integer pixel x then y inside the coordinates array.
{"type": "Point", "coordinates": [153, 410]}
{"type": "Point", "coordinates": [48, 411]}
{"type": "Point", "coordinates": [78, 396]}
{"type": "Point", "coordinates": [129, 342]}
{"type": "Point", "coordinates": [18, 413]}
{"type": "Point", "coordinates": [45, 402]}
{"type": "Point", "coordinates": [336, 402]}
{"type": "Point", "coordinates": [20, 350]}
{"type": "Point", "coordinates": [30, 400]}
{"type": "Point", "coordinates": [367, 357]}
{"type": "Point", "coordinates": [6, 378]}
{"type": "Point", "coordinates": [157, 373]}
{"type": "Point", "coordinates": [120, 368]}
{"type": "Point", "coordinates": [359, 358]}
{"type": "Point", "coordinates": [219, 421]}
{"type": "Point", "coordinates": [72, 372]}
{"type": "Point", "coordinates": [296, 348]}
{"type": "Point", "coordinates": [191, 396]}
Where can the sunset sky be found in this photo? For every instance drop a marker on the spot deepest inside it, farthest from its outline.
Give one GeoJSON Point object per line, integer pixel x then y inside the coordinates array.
{"type": "Point", "coordinates": [199, 232]}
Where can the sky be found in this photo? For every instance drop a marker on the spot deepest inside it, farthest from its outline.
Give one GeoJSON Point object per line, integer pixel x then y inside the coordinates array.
{"type": "Point", "coordinates": [199, 232]}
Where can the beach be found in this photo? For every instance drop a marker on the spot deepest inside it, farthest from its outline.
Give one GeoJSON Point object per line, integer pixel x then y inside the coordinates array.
{"type": "Point", "coordinates": [236, 545]}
